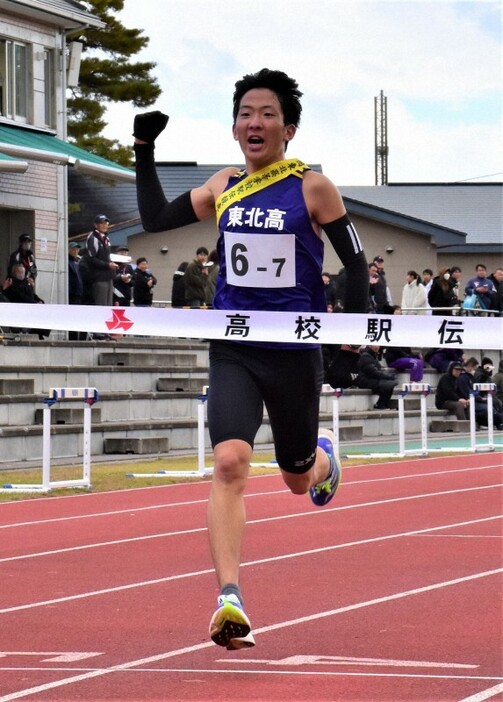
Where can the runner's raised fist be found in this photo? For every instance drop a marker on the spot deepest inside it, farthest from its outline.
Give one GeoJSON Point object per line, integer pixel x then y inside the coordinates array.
{"type": "Point", "coordinates": [149, 125]}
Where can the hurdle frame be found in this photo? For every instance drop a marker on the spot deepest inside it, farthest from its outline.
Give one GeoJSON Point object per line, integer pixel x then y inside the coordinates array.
{"type": "Point", "coordinates": [202, 471]}
{"type": "Point", "coordinates": [490, 388]}
{"type": "Point", "coordinates": [89, 396]}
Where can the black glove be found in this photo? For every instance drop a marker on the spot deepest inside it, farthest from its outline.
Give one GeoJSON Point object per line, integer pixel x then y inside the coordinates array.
{"type": "Point", "coordinates": [149, 125]}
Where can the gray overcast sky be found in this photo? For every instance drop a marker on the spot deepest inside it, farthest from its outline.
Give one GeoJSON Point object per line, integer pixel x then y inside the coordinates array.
{"type": "Point", "coordinates": [439, 64]}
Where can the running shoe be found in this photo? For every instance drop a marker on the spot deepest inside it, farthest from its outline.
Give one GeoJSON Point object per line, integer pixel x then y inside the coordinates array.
{"type": "Point", "coordinates": [322, 492]}
{"type": "Point", "coordinates": [229, 625]}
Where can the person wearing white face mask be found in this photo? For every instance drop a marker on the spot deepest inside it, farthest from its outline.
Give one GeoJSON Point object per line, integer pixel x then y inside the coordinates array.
{"type": "Point", "coordinates": [442, 295]}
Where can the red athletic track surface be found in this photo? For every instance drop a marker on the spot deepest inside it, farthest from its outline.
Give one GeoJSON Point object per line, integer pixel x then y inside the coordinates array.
{"type": "Point", "coordinates": [392, 592]}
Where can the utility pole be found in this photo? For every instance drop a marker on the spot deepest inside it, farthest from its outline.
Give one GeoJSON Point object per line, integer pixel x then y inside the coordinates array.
{"type": "Point", "coordinates": [381, 139]}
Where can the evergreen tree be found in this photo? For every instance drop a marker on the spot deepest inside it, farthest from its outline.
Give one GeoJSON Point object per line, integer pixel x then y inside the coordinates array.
{"type": "Point", "coordinates": [106, 74]}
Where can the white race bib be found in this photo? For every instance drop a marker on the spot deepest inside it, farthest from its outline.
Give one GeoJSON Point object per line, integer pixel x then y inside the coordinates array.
{"type": "Point", "coordinates": [260, 260]}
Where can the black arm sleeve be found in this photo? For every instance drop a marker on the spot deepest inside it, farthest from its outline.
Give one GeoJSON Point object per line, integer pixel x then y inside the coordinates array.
{"type": "Point", "coordinates": [344, 238]}
{"type": "Point", "coordinates": [157, 214]}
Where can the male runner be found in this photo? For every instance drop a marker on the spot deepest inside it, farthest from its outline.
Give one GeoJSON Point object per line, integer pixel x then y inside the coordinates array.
{"type": "Point", "coordinates": [271, 255]}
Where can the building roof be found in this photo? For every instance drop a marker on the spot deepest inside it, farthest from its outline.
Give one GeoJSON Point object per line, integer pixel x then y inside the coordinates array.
{"type": "Point", "coordinates": [65, 13]}
{"type": "Point", "coordinates": [20, 142]}
{"type": "Point", "coordinates": [461, 215]}
{"type": "Point", "coordinates": [474, 208]}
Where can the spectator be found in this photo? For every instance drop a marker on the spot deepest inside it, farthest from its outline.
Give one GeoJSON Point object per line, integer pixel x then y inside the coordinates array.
{"type": "Point", "coordinates": [414, 298]}
{"type": "Point", "coordinates": [447, 395]}
{"type": "Point", "coordinates": [481, 286]}
{"type": "Point", "coordinates": [456, 277]}
{"type": "Point", "coordinates": [212, 267]}
{"type": "Point", "coordinates": [123, 279]}
{"type": "Point", "coordinates": [19, 288]}
{"type": "Point", "coordinates": [24, 255]}
{"type": "Point", "coordinates": [377, 291]}
{"type": "Point", "coordinates": [441, 295]}
{"type": "Point", "coordinates": [465, 387]}
{"type": "Point", "coordinates": [379, 263]}
{"type": "Point", "coordinates": [144, 282]}
{"type": "Point", "coordinates": [404, 359]}
{"type": "Point", "coordinates": [85, 275]}
{"type": "Point", "coordinates": [372, 376]}
{"type": "Point", "coordinates": [329, 289]}
{"type": "Point", "coordinates": [497, 280]}
{"type": "Point", "coordinates": [196, 279]}
{"type": "Point", "coordinates": [100, 268]}
{"type": "Point", "coordinates": [340, 289]}
{"type": "Point", "coordinates": [483, 374]}
{"type": "Point", "coordinates": [427, 279]}
{"type": "Point", "coordinates": [440, 359]}
{"type": "Point", "coordinates": [75, 286]}
{"type": "Point", "coordinates": [498, 381]}
{"type": "Point", "coordinates": [178, 287]}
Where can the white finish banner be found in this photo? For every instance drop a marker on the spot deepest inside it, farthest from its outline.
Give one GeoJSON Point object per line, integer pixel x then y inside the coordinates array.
{"type": "Point", "coordinates": [420, 331]}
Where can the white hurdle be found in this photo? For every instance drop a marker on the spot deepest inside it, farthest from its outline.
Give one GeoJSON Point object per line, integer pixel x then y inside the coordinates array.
{"type": "Point", "coordinates": [89, 396]}
{"type": "Point", "coordinates": [490, 388]}
{"type": "Point", "coordinates": [423, 389]}
{"type": "Point", "coordinates": [202, 471]}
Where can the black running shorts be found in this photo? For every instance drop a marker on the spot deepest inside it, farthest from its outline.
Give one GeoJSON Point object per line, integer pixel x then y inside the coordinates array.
{"type": "Point", "coordinates": [244, 378]}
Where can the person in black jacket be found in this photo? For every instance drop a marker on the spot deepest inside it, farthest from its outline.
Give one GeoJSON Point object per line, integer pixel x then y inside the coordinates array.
{"type": "Point", "coordinates": [447, 395]}
{"type": "Point", "coordinates": [442, 293]}
{"type": "Point", "coordinates": [123, 280]}
{"type": "Point", "coordinates": [24, 254]}
{"type": "Point", "coordinates": [18, 288]}
{"type": "Point", "coordinates": [75, 286]}
{"type": "Point", "coordinates": [372, 376]}
{"type": "Point", "coordinates": [144, 281]}
{"type": "Point", "coordinates": [178, 287]}
{"type": "Point", "coordinates": [465, 388]}
{"type": "Point", "coordinates": [100, 267]}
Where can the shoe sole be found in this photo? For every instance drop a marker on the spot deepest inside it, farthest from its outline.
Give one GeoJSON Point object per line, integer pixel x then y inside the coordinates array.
{"type": "Point", "coordinates": [242, 642]}
{"type": "Point", "coordinates": [229, 623]}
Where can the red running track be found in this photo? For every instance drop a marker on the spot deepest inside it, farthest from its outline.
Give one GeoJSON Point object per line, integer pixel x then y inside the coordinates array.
{"type": "Point", "coordinates": [391, 593]}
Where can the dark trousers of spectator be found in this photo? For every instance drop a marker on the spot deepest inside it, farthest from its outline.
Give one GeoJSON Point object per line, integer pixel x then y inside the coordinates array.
{"type": "Point", "coordinates": [103, 292]}
{"type": "Point", "coordinates": [384, 390]}
{"type": "Point", "coordinates": [456, 408]}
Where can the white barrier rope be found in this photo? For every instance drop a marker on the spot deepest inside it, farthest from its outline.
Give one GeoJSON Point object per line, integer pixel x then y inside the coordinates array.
{"type": "Point", "coordinates": [293, 327]}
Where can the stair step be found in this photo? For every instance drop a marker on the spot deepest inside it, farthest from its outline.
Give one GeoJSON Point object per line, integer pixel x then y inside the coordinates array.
{"type": "Point", "coordinates": [143, 445]}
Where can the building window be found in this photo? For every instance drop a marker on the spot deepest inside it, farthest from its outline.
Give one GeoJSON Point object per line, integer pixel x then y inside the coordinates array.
{"type": "Point", "coordinates": [14, 80]}
{"type": "Point", "coordinates": [49, 88]}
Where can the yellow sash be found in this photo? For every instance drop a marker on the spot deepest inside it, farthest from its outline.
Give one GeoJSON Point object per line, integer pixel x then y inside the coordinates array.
{"type": "Point", "coordinates": [258, 181]}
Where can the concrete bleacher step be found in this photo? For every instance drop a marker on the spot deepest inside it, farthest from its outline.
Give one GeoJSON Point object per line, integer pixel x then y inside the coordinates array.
{"type": "Point", "coordinates": [138, 445]}
{"type": "Point", "coordinates": [446, 424]}
{"type": "Point", "coordinates": [68, 415]}
{"type": "Point", "coordinates": [17, 386]}
{"type": "Point", "coordinates": [181, 384]}
{"type": "Point", "coordinates": [142, 360]}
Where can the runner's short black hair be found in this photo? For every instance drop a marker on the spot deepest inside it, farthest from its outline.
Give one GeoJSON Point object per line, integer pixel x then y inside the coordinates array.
{"type": "Point", "coordinates": [286, 89]}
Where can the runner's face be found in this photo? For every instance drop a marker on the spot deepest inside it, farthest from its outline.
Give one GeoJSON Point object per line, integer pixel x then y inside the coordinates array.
{"type": "Point", "coordinates": [260, 128]}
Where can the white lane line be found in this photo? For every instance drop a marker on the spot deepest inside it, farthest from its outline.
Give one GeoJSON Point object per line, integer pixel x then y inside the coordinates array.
{"type": "Point", "coordinates": [291, 515]}
{"type": "Point", "coordinates": [299, 660]}
{"type": "Point", "coordinates": [261, 561]}
{"type": "Point", "coordinates": [274, 627]}
{"type": "Point", "coordinates": [134, 510]}
{"type": "Point", "coordinates": [248, 671]}
{"type": "Point", "coordinates": [485, 694]}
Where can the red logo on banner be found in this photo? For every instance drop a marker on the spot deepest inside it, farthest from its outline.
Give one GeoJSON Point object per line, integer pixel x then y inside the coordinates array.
{"type": "Point", "coordinates": [119, 320]}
